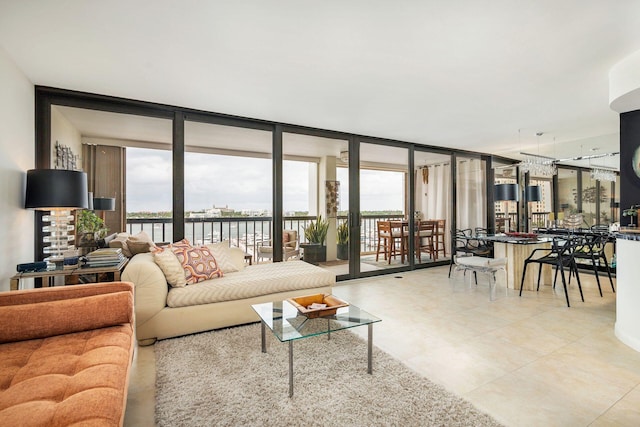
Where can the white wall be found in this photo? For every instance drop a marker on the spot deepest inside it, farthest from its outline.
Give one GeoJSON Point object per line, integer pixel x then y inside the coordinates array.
{"type": "Point", "coordinates": [17, 148]}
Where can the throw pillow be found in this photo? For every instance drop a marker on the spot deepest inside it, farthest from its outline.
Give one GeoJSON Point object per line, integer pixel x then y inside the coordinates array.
{"type": "Point", "coordinates": [171, 267]}
{"type": "Point", "coordinates": [286, 238]}
{"type": "Point", "coordinates": [139, 247]}
{"type": "Point", "coordinates": [221, 252]}
{"type": "Point", "coordinates": [139, 243]}
{"type": "Point", "coordinates": [121, 242]}
{"type": "Point", "coordinates": [198, 264]}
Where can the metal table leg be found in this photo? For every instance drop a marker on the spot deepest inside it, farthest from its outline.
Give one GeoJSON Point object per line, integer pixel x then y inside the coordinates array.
{"type": "Point", "coordinates": [369, 345]}
{"type": "Point", "coordinates": [264, 343]}
{"type": "Point", "coordinates": [291, 368]}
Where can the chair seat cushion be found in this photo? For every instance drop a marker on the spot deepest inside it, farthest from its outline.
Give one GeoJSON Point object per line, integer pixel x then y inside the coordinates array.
{"type": "Point", "coordinates": [481, 262]}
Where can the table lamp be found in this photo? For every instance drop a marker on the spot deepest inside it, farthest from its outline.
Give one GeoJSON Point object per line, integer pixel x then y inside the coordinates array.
{"type": "Point", "coordinates": [58, 191]}
{"type": "Point", "coordinates": [103, 204]}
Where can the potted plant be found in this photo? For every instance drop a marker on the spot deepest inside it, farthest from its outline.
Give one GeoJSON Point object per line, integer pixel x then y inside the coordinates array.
{"type": "Point", "coordinates": [315, 250]}
{"type": "Point", "coordinates": [89, 228]}
{"type": "Point", "coordinates": [631, 212]}
{"type": "Point", "coordinates": [343, 240]}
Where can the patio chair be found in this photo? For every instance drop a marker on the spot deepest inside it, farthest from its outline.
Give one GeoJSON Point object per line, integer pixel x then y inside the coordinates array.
{"type": "Point", "coordinates": [439, 243]}
{"type": "Point", "coordinates": [390, 240]}
{"type": "Point", "coordinates": [290, 247]}
{"type": "Point", "coordinates": [425, 239]}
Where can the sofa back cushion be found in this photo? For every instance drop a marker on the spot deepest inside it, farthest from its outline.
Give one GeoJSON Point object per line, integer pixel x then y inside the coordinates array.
{"type": "Point", "coordinates": [31, 319]}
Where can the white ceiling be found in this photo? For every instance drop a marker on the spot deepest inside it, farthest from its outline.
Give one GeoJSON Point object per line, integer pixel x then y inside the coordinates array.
{"type": "Point", "coordinates": [464, 74]}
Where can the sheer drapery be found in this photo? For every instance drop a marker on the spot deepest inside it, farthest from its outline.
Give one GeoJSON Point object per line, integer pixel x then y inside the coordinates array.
{"type": "Point", "coordinates": [471, 194]}
{"type": "Point", "coordinates": [433, 194]}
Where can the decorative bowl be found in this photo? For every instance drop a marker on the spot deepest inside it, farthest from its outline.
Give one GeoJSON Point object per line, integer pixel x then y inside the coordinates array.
{"type": "Point", "coordinates": [302, 304]}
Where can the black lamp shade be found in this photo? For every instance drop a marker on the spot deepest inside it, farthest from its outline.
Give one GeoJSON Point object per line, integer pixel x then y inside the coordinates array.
{"type": "Point", "coordinates": [104, 204]}
{"type": "Point", "coordinates": [49, 189]}
{"type": "Point", "coordinates": [506, 192]}
{"type": "Point", "coordinates": [533, 193]}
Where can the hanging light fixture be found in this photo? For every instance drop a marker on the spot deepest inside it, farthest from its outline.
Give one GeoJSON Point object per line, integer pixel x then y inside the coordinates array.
{"type": "Point", "coordinates": [601, 173]}
{"type": "Point", "coordinates": [536, 164]}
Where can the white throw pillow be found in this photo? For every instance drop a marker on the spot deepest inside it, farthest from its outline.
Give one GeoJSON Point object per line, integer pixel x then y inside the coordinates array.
{"type": "Point", "coordinates": [171, 267]}
{"type": "Point", "coordinates": [222, 253]}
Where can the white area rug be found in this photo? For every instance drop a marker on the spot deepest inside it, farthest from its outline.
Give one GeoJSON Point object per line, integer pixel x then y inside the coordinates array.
{"type": "Point", "coordinates": [222, 378]}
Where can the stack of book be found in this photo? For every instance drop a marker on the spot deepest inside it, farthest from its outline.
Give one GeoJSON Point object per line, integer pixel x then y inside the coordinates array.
{"type": "Point", "coordinates": [104, 257]}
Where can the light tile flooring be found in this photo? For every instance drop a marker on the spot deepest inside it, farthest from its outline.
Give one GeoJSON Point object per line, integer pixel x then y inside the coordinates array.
{"type": "Point", "coordinates": [527, 361]}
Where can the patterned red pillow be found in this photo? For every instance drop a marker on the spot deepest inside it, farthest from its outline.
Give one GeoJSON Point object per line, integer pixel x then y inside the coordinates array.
{"type": "Point", "coordinates": [198, 263]}
{"type": "Point", "coordinates": [286, 238]}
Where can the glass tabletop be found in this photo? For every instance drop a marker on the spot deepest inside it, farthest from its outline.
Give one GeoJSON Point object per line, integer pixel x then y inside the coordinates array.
{"type": "Point", "coordinates": [288, 324]}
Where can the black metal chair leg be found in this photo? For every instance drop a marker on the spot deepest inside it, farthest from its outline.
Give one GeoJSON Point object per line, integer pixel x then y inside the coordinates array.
{"type": "Point", "coordinates": [578, 280]}
{"type": "Point", "coordinates": [606, 264]}
{"type": "Point", "coordinates": [555, 278]}
{"type": "Point", "coordinates": [564, 284]}
{"type": "Point", "coordinates": [539, 275]}
{"type": "Point", "coordinates": [524, 271]}
{"type": "Point", "coordinates": [595, 271]}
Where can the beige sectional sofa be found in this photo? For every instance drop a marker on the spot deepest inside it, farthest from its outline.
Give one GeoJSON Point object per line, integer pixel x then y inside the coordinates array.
{"type": "Point", "coordinates": [163, 311]}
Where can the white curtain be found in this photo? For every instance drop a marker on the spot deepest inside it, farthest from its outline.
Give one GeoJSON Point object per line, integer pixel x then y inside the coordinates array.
{"type": "Point", "coordinates": [433, 194]}
{"type": "Point", "coordinates": [471, 201]}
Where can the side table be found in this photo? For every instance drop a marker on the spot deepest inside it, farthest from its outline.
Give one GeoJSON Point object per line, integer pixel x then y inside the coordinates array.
{"type": "Point", "coordinates": [116, 270]}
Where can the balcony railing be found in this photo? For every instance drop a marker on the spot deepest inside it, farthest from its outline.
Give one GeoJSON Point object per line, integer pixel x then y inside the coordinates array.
{"type": "Point", "coordinates": [247, 232]}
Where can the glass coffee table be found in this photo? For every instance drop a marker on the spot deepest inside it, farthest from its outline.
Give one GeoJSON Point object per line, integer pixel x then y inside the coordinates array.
{"type": "Point", "coordinates": [288, 325]}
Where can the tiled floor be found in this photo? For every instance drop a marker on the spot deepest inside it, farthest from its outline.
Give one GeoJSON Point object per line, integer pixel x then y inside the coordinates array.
{"type": "Point", "coordinates": [527, 361]}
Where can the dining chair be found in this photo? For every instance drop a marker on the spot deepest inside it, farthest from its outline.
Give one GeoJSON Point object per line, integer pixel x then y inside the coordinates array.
{"type": "Point", "coordinates": [439, 242]}
{"type": "Point", "coordinates": [389, 239]}
{"type": "Point", "coordinates": [560, 255]}
{"type": "Point", "coordinates": [425, 233]}
{"type": "Point", "coordinates": [400, 238]}
{"type": "Point", "coordinates": [464, 242]}
{"type": "Point", "coordinates": [591, 249]}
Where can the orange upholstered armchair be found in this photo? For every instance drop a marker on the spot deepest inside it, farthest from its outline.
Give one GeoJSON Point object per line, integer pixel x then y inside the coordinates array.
{"type": "Point", "coordinates": [66, 354]}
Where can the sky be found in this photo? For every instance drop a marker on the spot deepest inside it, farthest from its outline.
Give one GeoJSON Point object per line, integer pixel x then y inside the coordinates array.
{"type": "Point", "coordinates": [242, 183]}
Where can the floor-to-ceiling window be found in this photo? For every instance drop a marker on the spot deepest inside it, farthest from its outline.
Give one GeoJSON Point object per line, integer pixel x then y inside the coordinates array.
{"type": "Point", "coordinates": [210, 177]}
{"type": "Point", "coordinates": [228, 186]}
{"type": "Point", "coordinates": [315, 191]}
{"type": "Point", "coordinates": [384, 207]}
{"type": "Point", "coordinates": [432, 206]}
{"type": "Point", "coordinates": [126, 157]}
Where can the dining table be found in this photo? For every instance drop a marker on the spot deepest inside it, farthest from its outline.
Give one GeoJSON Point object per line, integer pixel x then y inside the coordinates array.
{"type": "Point", "coordinates": [516, 248]}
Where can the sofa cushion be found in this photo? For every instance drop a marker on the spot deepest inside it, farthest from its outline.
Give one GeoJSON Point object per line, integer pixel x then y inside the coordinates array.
{"type": "Point", "coordinates": [64, 316]}
{"type": "Point", "coordinates": [198, 263]}
{"type": "Point", "coordinates": [73, 379]}
{"type": "Point", "coordinates": [170, 266]}
{"type": "Point", "coordinates": [224, 256]}
{"type": "Point", "coordinates": [254, 280]}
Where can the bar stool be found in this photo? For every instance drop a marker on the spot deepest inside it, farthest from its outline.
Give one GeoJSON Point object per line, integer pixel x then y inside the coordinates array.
{"type": "Point", "coordinates": [439, 243]}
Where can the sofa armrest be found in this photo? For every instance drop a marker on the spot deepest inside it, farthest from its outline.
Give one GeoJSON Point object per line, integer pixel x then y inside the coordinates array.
{"type": "Point", "coordinates": [46, 312]}
{"type": "Point", "coordinates": [150, 286]}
